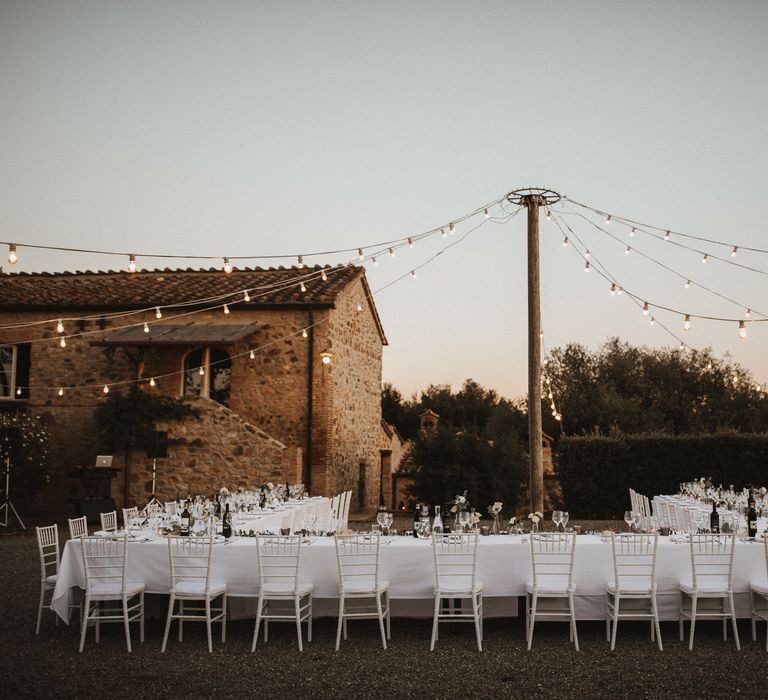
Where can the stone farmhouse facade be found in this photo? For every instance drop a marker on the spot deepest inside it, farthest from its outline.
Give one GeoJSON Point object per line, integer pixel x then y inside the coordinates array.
{"type": "Point", "coordinates": [289, 389]}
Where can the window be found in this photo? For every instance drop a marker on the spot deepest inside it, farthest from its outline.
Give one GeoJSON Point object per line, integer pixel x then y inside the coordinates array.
{"type": "Point", "coordinates": [214, 382]}
{"type": "Point", "coordinates": [14, 372]}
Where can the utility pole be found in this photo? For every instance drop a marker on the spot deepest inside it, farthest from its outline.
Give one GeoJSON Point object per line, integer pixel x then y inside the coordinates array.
{"type": "Point", "coordinates": [533, 198]}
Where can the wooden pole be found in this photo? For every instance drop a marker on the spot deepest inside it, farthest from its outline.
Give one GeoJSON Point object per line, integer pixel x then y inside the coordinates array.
{"type": "Point", "coordinates": [534, 357]}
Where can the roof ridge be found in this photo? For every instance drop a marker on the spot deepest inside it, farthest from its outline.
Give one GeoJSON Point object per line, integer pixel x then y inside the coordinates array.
{"type": "Point", "coordinates": [169, 270]}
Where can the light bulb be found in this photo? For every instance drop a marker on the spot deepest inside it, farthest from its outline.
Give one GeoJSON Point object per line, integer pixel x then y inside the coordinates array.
{"type": "Point", "coordinates": [681, 347]}
{"type": "Point", "coordinates": [608, 219]}
{"type": "Point", "coordinates": [131, 263]}
{"type": "Point", "coordinates": [303, 287]}
{"type": "Point", "coordinates": [410, 243]}
{"type": "Point", "coordinates": [300, 262]}
{"type": "Point", "coordinates": [18, 391]}
{"type": "Point", "coordinates": [252, 354]}
{"type": "Point", "coordinates": [587, 254]}
{"type": "Point", "coordinates": [645, 308]}
{"type": "Point", "coordinates": [628, 251]}
{"type": "Point", "coordinates": [687, 284]}
{"type": "Point", "coordinates": [549, 215]}
{"type": "Point", "coordinates": [323, 276]}
{"type": "Point", "coordinates": [613, 289]}
{"type": "Point", "coordinates": [152, 382]}
{"type": "Point", "coordinates": [667, 235]}
{"type": "Point", "coordinates": [586, 266]}
{"type": "Point", "coordinates": [63, 342]}
{"type": "Point", "coordinates": [541, 334]}
{"type": "Point", "coordinates": [451, 228]}
{"type": "Point", "coordinates": [632, 232]}
{"type": "Point", "coordinates": [558, 417]}
{"type": "Point", "coordinates": [60, 392]}
{"type": "Point", "coordinates": [391, 253]}
{"type": "Point", "coordinates": [326, 360]}
{"type": "Point", "coordinates": [227, 266]}
{"type": "Point", "coordinates": [687, 323]}
{"type": "Point", "coordinates": [226, 309]}
{"type": "Point", "coordinates": [304, 333]}
{"type": "Point", "coordinates": [486, 213]}
{"type": "Point", "coordinates": [360, 253]}
{"type": "Point", "coordinates": [158, 313]}
{"type": "Point", "coordinates": [12, 257]}
{"type": "Point", "coordinates": [734, 251]}
{"type": "Point", "coordinates": [359, 306]}
{"type": "Point", "coordinates": [201, 371]}
{"type": "Point", "coordinates": [106, 389]}
{"type": "Point", "coordinates": [565, 242]}
{"type": "Point", "coordinates": [246, 296]}
{"type": "Point", "coordinates": [742, 329]}
{"type": "Point", "coordinates": [375, 264]}
{"type": "Point", "coordinates": [705, 258]}
{"type": "Point", "coordinates": [146, 327]}
{"type": "Point", "coordinates": [60, 327]}
{"type": "Point", "coordinates": [619, 291]}
{"type": "Point", "coordinates": [443, 233]}
{"type": "Point", "coordinates": [747, 313]}
{"type": "Point", "coordinates": [652, 321]}
{"type": "Point", "coordinates": [413, 274]}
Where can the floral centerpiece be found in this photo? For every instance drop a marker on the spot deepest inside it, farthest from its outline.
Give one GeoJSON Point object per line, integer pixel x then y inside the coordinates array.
{"type": "Point", "coordinates": [460, 504]}
{"type": "Point", "coordinates": [495, 512]}
{"type": "Point", "coordinates": [535, 517]}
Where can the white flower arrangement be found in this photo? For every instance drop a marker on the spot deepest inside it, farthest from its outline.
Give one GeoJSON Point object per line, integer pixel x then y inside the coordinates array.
{"type": "Point", "coordinates": [460, 503]}
{"type": "Point", "coordinates": [475, 518]}
{"type": "Point", "coordinates": [535, 516]}
{"type": "Point", "coordinates": [224, 491]}
{"type": "Point", "coordinates": [512, 521]}
{"type": "Point", "coordinates": [495, 509]}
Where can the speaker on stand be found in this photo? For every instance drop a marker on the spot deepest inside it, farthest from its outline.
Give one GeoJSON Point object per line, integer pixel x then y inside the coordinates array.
{"type": "Point", "coordinates": [157, 448]}
{"type": "Point", "coordinates": [10, 450]}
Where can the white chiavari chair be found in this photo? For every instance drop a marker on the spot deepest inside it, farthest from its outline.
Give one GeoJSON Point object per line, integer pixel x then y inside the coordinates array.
{"type": "Point", "coordinates": [758, 592]}
{"type": "Point", "coordinates": [190, 561]}
{"type": "Point", "coordinates": [171, 507]}
{"type": "Point", "coordinates": [711, 580]}
{"type": "Point", "coordinates": [48, 549]}
{"type": "Point", "coordinates": [280, 582]}
{"type": "Point", "coordinates": [634, 572]}
{"type": "Point", "coordinates": [552, 556]}
{"type": "Point", "coordinates": [358, 557]}
{"type": "Point", "coordinates": [152, 510]}
{"type": "Point", "coordinates": [346, 497]}
{"type": "Point", "coordinates": [335, 501]}
{"type": "Point", "coordinates": [109, 521]}
{"type": "Point", "coordinates": [130, 515]}
{"type": "Point", "coordinates": [78, 527]}
{"type": "Point", "coordinates": [105, 562]}
{"type": "Point", "coordinates": [456, 581]}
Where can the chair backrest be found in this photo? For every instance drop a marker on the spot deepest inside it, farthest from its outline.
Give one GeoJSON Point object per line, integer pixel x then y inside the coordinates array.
{"type": "Point", "coordinates": [661, 510]}
{"type": "Point", "coordinates": [130, 514]}
{"type": "Point", "coordinates": [78, 527]}
{"type": "Point", "coordinates": [109, 521]}
{"type": "Point", "coordinates": [712, 560]}
{"type": "Point", "coordinates": [552, 555]}
{"type": "Point", "coordinates": [358, 558]}
{"type": "Point", "coordinates": [633, 500]}
{"type": "Point", "coordinates": [682, 523]}
{"type": "Point", "coordinates": [171, 507]}
{"type": "Point", "coordinates": [152, 510]}
{"type": "Point", "coordinates": [48, 549]}
{"type": "Point", "coordinates": [104, 561]}
{"type": "Point", "coordinates": [765, 549]}
{"type": "Point", "coordinates": [634, 560]}
{"type": "Point", "coordinates": [279, 560]}
{"type": "Point", "coordinates": [455, 560]}
{"type": "Point", "coordinates": [190, 560]}
{"type": "Point", "coordinates": [345, 514]}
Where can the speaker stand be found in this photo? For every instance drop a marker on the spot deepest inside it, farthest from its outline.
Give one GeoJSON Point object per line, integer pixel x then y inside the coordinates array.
{"type": "Point", "coordinates": [153, 500]}
{"type": "Point", "coordinates": [8, 507]}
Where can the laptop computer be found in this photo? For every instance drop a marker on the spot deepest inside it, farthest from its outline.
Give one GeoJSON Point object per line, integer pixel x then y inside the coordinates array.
{"type": "Point", "coordinates": [104, 460]}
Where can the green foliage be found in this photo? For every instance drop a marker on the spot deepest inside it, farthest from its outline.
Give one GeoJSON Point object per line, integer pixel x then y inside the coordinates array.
{"type": "Point", "coordinates": [633, 390]}
{"type": "Point", "coordinates": [28, 473]}
{"type": "Point", "coordinates": [451, 462]}
{"type": "Point", "coordinates": [596, 472]}
{"type": "Point", "coordinates": [126, 421]}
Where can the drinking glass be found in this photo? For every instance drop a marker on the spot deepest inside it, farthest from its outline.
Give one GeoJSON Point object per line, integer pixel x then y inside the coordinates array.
{"type": "Point", "coordinates": [463, 520]}
{"type": "Point", "coordinates": [564, 519]}
{"type": "Point", "coordinates": [389, 519]}
{"type": "Point", "coordinates": [557, 518]}
{"type": "Point", "coordinates": [637, 519]}
{"type": "Point", "coordinates": [629, 518]}
{"type": "Point", "coordinates": [381, 518]}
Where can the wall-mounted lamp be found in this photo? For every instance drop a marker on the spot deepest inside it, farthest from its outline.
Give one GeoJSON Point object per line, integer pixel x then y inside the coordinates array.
{"type": "Point", "coordinates": [326, 356]}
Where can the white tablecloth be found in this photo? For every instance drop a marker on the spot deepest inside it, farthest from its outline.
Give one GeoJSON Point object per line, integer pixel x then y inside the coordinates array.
{"type": "Point", "coordinates": [291, 515]}
{"type": "Point", "coordinates": [407, 563]}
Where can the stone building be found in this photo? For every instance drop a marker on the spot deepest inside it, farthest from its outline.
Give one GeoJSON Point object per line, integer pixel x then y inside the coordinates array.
{"type": "Point", "coordinates": [283, 365]}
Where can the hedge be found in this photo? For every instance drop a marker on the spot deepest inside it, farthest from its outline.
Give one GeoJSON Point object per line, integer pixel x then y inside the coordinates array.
{"type": "Point", "coordinates": [597, 472]}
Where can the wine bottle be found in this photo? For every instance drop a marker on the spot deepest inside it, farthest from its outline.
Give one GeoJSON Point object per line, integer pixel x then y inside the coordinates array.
{"type": "Point", "coordinates": [226, 525]}
{"type": "Point", "coordinates": [714, 519]}
{"type": "Point", "coordinates": [437, 523]}
{"type": "Point", "coordinates": [416, 514]}
{"type": "Point", "coordinates": [185, 521]}
{"type": "Point", "coordinates": [751, 517]}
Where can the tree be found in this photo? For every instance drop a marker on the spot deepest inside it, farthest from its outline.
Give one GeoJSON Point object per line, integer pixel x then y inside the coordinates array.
{"type": "Point", "coordinates": [28, 459]}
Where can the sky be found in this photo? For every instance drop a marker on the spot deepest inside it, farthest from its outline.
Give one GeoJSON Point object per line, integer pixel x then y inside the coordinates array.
{"type": "Point", "coordinates": [263, 128]}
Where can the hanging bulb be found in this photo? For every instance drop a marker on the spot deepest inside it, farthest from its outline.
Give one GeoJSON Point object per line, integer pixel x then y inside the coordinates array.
{"type": "Point", "coordinates": [558, 417]}
{"type": "Point", "coordinates": [375, 264]}
{"type": "Point", "coordinates": [106, 389]}
{"type": "Point", "coordinates": [323, 276]}
{"type": "Point", "coordinates": [587, 254]}
{"type": "Point", "coordinates": [452, 228]}
{"type": "Point", "coordinates": [652, 321]}
{"type": "Point", "coordinates": [608, 219]}
{"type": "Point", "coordinates": [619, 291]}
{"type": "Point", "coordinates": [687, 322]}
{"type": "Point", "coordinates": [705, 258]}
{"type": "Point", "coordinates": [59, 327]}
{"type": "Point", "coordinates": [443, 233]}
{"type": "Point", "coordinates": [549, 395]}
{"type": "Point", "coordinates": [246, 296]}
{"type": "Point", "coordinates": [60, 392]}
{"type": "Point", "coordinates": [627, 251]}
{"type": "Point", "coordinates": [487, 214]}
{"type": "Point", "coordinates": [632, 232]}
{"type": "Point", "coordinates": [300, 262]}
{"type": "Point", "coordinates": [586, 266]}
{"type": "Point", "coordinates": [747, 313]}
{"type": "Point", "coordinates": [687, 284]}
{"type": "Point", "coordinates": [391, 252]}
{"type": "Point", "coordinates": [359, 306]}
{"type": "Point", "coordinates": [742, 329]}
{"type": "Point", "coordinates": [667, 235]}
{"type": "Point", "coordinates": [549, 215]}
{"type": "Point", "coordinates": [303, 287]}
{"type": "Point", "coordinates": [613, 289]}
{"type": "Point", "coordinates": [304, 333]}
{"type": "Point", "coordinates": [645, 308]}
{"type": "Point", "coordinates": [227, 266]}
{"type": "Point", "coordinates": [681, 347]}
{"type": "Point", "coordinates": [152, 382]}
{"type": "Point", "coordinates": [226, 309]}
{"type": "Point", "coordinates": [131, 263]}
{"type": "Point", "coordinates": [146, 327]}
{"type": "Point", "coordinates": [252, 354]}
{"type": "Point", "coordinates": [360, 255]}
{"type": "Point", "coordinates": [410, 243]}
{"type": "Point", "coordinates": [201, 371]}
{"type": "Point", "coordinates": [158, 313]}
{"type": "Point", "coordinates": [18, 391]}
{"type": "Point", "coordinates": [565, 242]}
{"type": "Point", "coordinates": [12, 257]}
{"type": "Point", "coordinates": [413, 274]}
{"type": "Point", "coordinates": [734, 251]}
{"type": "Point", "coordinates": [63, 342]}
{"type": "Point", "coordinates": [541, 334]}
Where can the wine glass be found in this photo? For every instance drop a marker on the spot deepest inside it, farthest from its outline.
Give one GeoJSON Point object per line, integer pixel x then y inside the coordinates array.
{"type": "Point", "coordinates": [629, 518]}
{"type": "Point", "coordinates": [389, 519]}
{"type": "Point", "coordinates": [564, 519]}
{"type": "Point", "coordinates": [463, 520]}
{"type": "Point", "coordinates": [638, 518]}
{"type": "Point", "coordinates": [381, 518]}
{"type": "Point", "coordinates": [557, 518]}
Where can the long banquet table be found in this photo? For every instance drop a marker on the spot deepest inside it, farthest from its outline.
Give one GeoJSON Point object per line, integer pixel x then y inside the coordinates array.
{"type": "Point", "coordinates": [407, 563]}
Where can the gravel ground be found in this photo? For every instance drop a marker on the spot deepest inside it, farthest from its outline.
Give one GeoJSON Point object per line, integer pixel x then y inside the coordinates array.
{"type": "Point", "coordinates": [50, 667]}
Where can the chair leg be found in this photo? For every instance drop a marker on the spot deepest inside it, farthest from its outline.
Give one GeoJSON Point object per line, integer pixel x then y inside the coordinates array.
{"type": "Point", "coordinates": [224, 619]}
{"type": "Point", "coordinates": [733, 622]}
{"type": "Point", "coordinates": [752, 602]}
{"type": "Point", "coordinates": [608, 617]}
{"type": "Point", "coordinates": [40, 607]}
{"type": "Point", "coordinates": [616, 604]}
{"type": "Point", "coordinates": [297, 607]}
{"type": "Point", "coordinates": [725, 620]}
{"type": "Point", "coordinates": [181, 620]}
{"type": "Point", "coordinates": [257, 625]}
{"type": "Point", "coordinates": [680, 629]}
{"type": "Point", "coordinates": [309, 619]}
{"type": "Point", "coordinates": [141, 617]}
{"type": "Point", "coordinates": [655, 611]}
{"type": "Point", "coordinates": [97, 614]}
{"type": "Point", "coordinates": [84, 626]}
{"type": "Point", "coordinates": [389, 622]}
{"type": "Point", "coordinates": [532, 622]}
{"type": "Point", "coordinates": [476, 614]}
{"type": "Point", "coordinates": [573, 623]}
{"type": "Point", "coordinates": [340, 623]}
{"type": "Point", "coordinates": [694, 603]}
{"type": "Point", "coordinates": [434, 622]}
{"type": "Point", "coordinates": [126, 624]}
{"type": "Point", "coordinates": [208, 624]}
{"type": "Point", "coordinates": [381, 620]}
{"type": "Point", "coordinates": [169, 617]}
